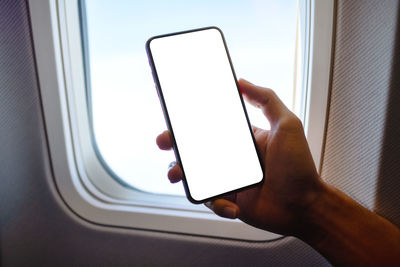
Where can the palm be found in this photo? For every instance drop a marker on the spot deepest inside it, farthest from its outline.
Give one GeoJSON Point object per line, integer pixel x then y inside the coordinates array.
{"type": "Point", "coordinates": [271, 205]}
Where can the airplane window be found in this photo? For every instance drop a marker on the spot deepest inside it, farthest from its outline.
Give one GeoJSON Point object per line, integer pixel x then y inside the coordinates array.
{"type": "Point", "coordinates": [96, 88]}
{"type": "Point", "coordinates": [126, 114]}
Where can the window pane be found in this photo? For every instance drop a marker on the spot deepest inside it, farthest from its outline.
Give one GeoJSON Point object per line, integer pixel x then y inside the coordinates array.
{"type": "Point", "coordinates": [126, 112]}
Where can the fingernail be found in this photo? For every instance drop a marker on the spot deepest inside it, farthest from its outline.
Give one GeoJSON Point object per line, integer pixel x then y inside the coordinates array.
{"type": "Point", "coordinates": [209, 205]}
{"type": "Point", "coordinates": [171, 165]}
{"type": "Point", "coordinates": [229, 212]}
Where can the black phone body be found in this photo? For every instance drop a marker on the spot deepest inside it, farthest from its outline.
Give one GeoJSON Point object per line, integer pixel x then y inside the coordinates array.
{"type": "Point", "coordinates": [205, 113]}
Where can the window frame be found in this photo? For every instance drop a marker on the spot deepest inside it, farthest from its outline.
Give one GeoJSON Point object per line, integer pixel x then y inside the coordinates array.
{"type": "Point", "coordinates": [86, 187]}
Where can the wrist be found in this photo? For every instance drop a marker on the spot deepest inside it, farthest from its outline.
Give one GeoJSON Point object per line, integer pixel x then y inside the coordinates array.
{"type": "Point", "coordinates": [346, 233]}
{"type": "Point", "coordinates": [308, 226]}
{"type": "Point", "coordinates": [324, 219]}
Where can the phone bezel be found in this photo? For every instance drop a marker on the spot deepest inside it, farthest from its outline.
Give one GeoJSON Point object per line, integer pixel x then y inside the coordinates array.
{"type": "Point", "coordinates": [168, 122]}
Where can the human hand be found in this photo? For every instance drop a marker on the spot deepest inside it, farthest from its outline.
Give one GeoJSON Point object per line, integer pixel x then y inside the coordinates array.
{"type": "Point", "coordinates": [291, 181]}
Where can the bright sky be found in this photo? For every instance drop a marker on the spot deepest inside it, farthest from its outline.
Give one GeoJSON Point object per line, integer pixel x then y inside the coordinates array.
{"type": "Point", "coordinates": [127, 116]}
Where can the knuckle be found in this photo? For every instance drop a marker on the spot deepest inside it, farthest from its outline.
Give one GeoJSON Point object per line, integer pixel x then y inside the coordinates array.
{"type": "Point", "coordinates": [268, 94]}
{"type": "Point", "coordinates": [297, 122]}
{"type": "Point", "coordinates": [291, 122]}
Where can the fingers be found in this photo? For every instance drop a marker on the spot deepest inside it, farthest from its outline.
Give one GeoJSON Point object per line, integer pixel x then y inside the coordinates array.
{"type": "Point", "coordinates": [263, 98]}
{"type": "Point", "coordinates": [256, 130]}
{"type": "Point", "coordinates": [175, 173]}
{"type": "Point", "coordinates": [224, 208]}
{"type": "Point", "coordinates": [164, 141]}
{"type": "Point", "coordinates": [261, 137]}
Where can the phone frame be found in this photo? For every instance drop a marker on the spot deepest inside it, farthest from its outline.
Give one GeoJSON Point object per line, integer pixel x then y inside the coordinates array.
{"type": "Point", "coordinates": [168, 122]}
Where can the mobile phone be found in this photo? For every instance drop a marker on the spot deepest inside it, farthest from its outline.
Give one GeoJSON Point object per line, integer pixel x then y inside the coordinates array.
{"type": "Point", "coordinates": [205, 113]}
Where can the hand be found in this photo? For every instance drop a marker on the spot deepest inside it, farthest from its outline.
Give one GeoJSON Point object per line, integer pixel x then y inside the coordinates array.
{"type": "Point", "coordinates": [291, 181]}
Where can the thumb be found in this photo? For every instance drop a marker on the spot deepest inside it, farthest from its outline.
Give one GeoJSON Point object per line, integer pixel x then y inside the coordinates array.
{"type": "Point", "coordinates": [263, 98]}
{"type": "Point", "coordinates": [224, 208]}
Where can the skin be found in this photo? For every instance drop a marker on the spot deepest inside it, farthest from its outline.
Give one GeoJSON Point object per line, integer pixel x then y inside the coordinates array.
{"type": "Point", "coordinates": [293, 200]}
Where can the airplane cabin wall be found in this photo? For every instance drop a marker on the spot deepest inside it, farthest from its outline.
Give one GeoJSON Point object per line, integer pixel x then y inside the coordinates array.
{"type": "Point", "coordinates": [37, 228]}
{"type": "Point", "coordinates": [362, 150]}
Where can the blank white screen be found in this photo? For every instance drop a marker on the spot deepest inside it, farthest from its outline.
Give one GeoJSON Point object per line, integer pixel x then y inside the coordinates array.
{"type": "Point", "coordinates": [209, 124]}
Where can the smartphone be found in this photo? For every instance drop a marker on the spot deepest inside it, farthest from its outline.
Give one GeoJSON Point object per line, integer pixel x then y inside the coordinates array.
{"type": "Point", "coordinates": [204, 110]}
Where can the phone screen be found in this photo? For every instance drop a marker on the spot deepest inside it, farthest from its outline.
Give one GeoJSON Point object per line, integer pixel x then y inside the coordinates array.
{"type": "Point", "coordinates": [205, 113]}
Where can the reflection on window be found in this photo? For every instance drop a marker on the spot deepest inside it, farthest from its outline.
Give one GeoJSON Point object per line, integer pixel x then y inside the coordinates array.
{"type": "Point", "coordinates": [126, 112]}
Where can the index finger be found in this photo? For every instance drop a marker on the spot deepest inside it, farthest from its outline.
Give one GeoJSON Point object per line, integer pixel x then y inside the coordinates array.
{"type": "Point", "coordinates": [263, 98]}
